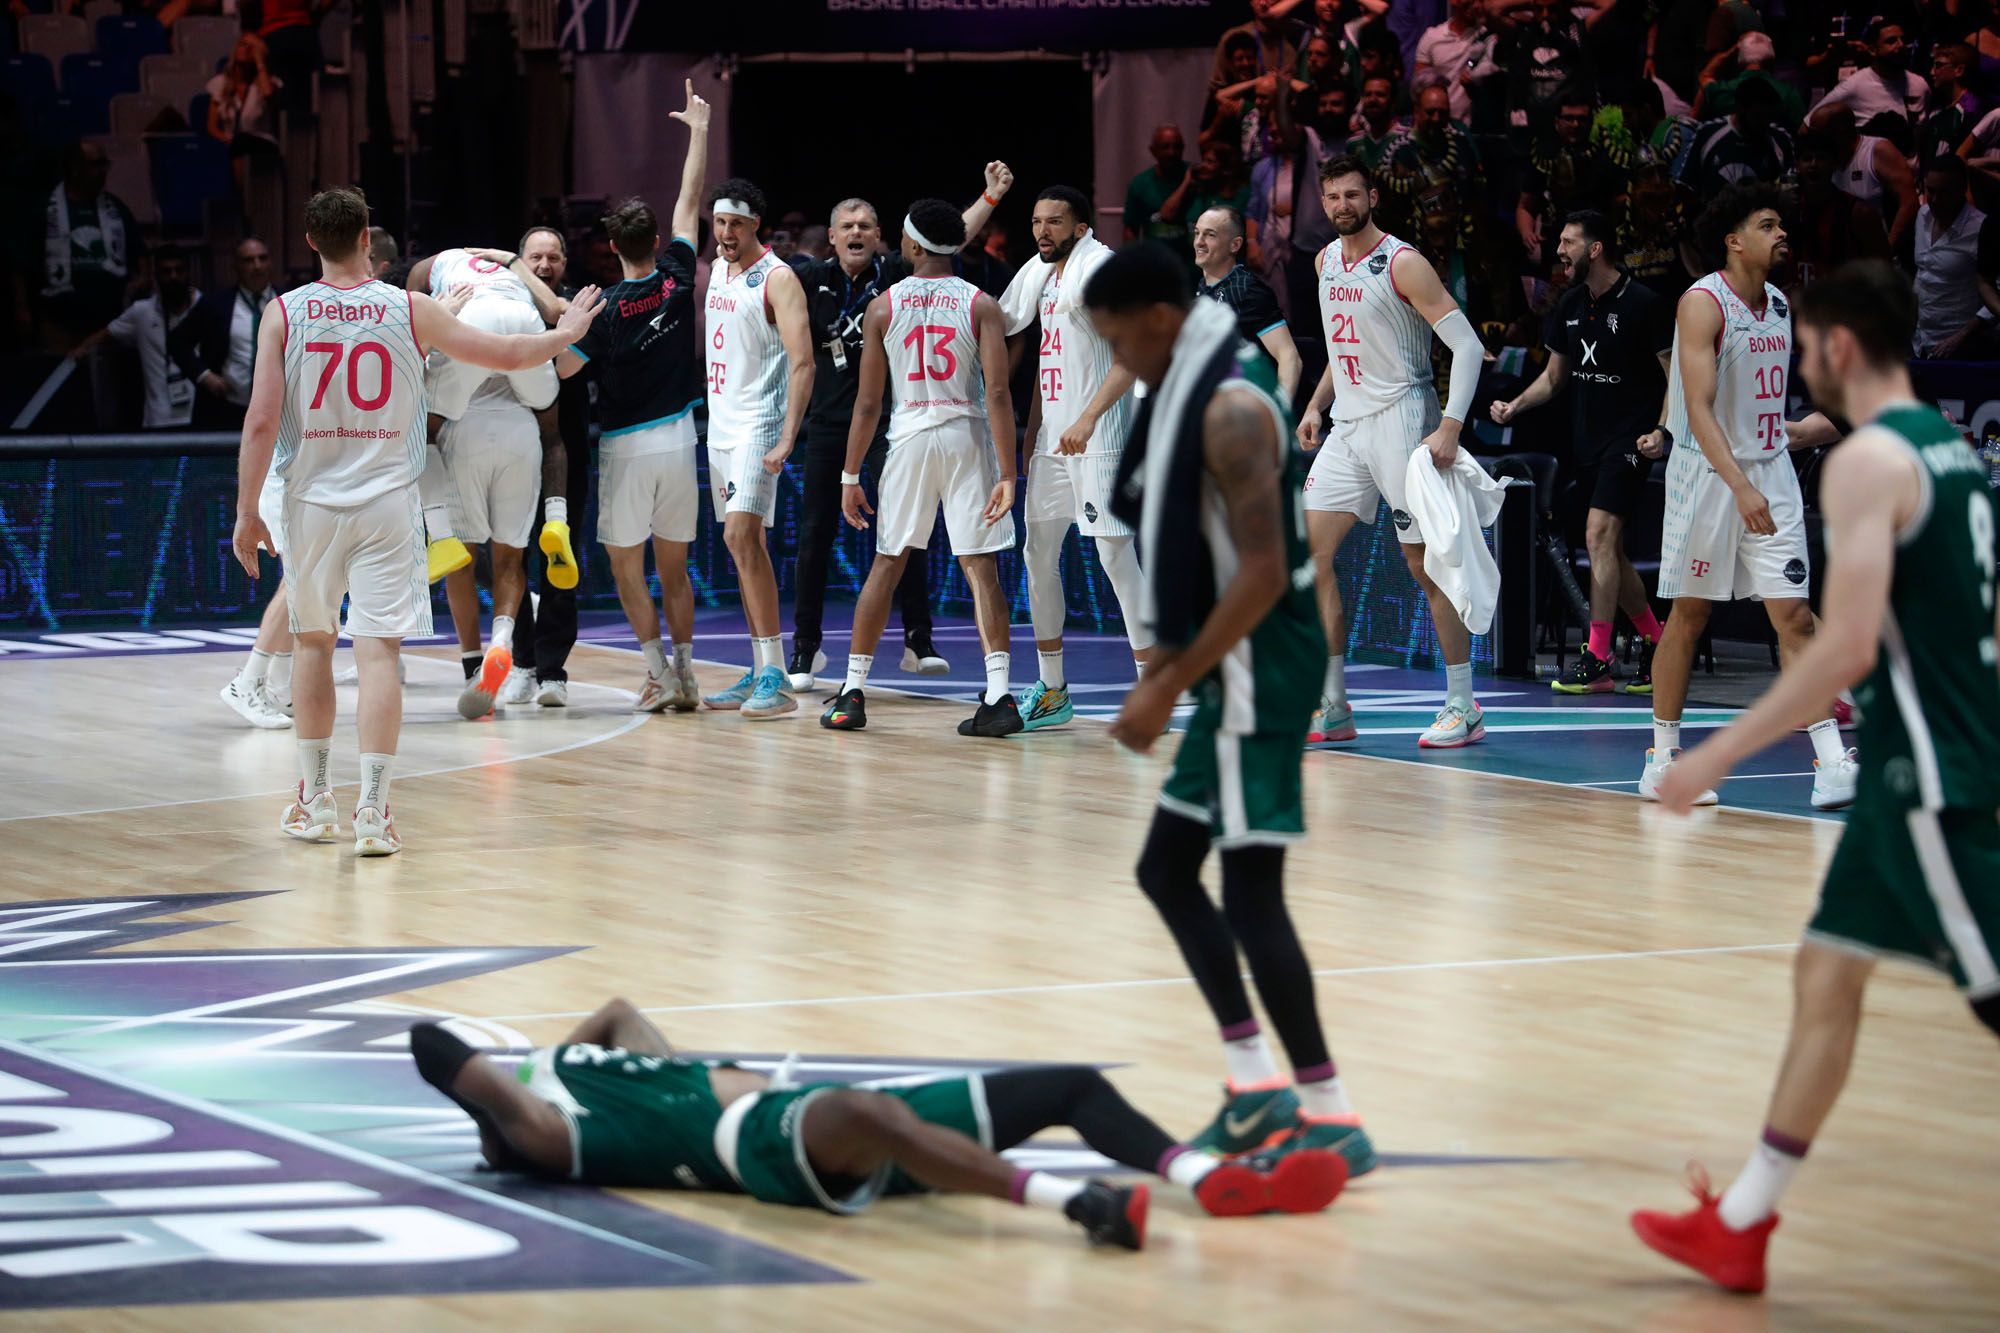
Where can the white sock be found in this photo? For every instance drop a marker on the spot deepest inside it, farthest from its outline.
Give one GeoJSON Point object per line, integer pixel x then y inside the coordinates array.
{"type": "Point", "coordinates": [1754, 1194]}
{"type": "Point", "coordinates": [684, 657]}
{"type": "Point", "coordinates": [1666, 738]}
{"type": "Point", "coordinates": [375, 781]}
{"type": "Point", "coordinates": [314, 759]}
{"type": "Point", "coordinates": [1188, 1168]}
{"type": "Point", "coordinates": [503, 632]}
{"type": "Point", "coordinates": [1325, 1099]}
{"type": "Point", "coordinates": [1458, 683]}
{"type": "Point", "coordinates": [858, 667]}
{"type": "Point", "coordinates": [656, 661]}
{"type": "Point", "coordinates": [437, 522]}
{"type": "Point", "coordinates": [1826, 742]}
{"type": "Point", "coordinates": [1335, 685]}
{"type": "Point", "coordinates": [1249, 1061]}
{"type": "Point", "coordinates": [769, 652]}
{"type": "Point", "coordinates": [1138, 669]}
{"type": "Point", "coordinates": [555, 509]}
{"type": "Point", "coordinates": [255, 669]}
{"type": "Point", "coordinates": [280, 677]}
{"type": "Point", "coordinates": [997, 667]}
{"type": "Point", "coordinates": [1052, 669]}
{"type": "Point", "coordinates": [1042, 1190]}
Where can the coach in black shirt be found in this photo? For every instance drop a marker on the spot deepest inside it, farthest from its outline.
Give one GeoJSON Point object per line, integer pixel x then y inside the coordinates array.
{"type": "Point", "coordinates": [838, 291]}
{"type": "Point", "coordinates": [1610, 341]}
{"type": "Point", "coordinates": [1218, 253]}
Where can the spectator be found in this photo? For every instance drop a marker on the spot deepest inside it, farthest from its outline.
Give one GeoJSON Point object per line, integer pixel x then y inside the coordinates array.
{"type": "Point", "coordinates": [1459, 53]}
{"type": "Point", "coordinates": [216, 346]}
{"type": "Point", "coordinates": [1402, 28]}
{"type": "Point", "coordinates": [1648, 126]}
{"type": "Point", "coordinates": [1286, 225]}
{"type": "Point", "coordinates": [1273, 44]}
{"type": "Point", "coordinates": [1151, 187]}
{"type": "Point", "coordinates": [1953, 109]}
{"type": "Point", "coordinates": [382, 251]}
{"type": "Point", "coordinates": [1377, 56]}
{"type": "Point", "coordinates": [1871, 170]}
{"type": "Point", "coordinates": [143, 326]}
{"type": "Point", "coordinates": [91, 250]}
{"type": "Point", "coordinates": [1542, 53]}
{"type": "Point", "coordinates": [1442, 231]}
{"type": "Point", "coordinates": [1885, 88]}
{"type": "Point", "coordinates": [291, 40]}
{"type": "Point", "coordinates": [1985, 45]}
{"type": "Point", "coordinates": [1832, 227]}
{"type": "Point", "coordinates": [1566, 174]}
{"type": "Point", "coordinates": [1333, 115]}
{"type": "Point", "coordinates": [1320, 65]}
{"type": "Point", "coordinates": [1752, 54]}
{"type": "Point", "coordinates": [603, 265]}
{"type": "Point", "coordinates": [1219, 240]}
{"type": "Point", "coordinates": [1216, 179]}
{"type": "Point", "coordinates": [1745, 145]}
{"type": "Point", "coordinates": [1432, 152]}
{"type": "Point", "coordinates": [1958, 249]}
{"type": "Point", "coordinates": [1655, 241]}
{"type": "Point", "coordinates": [816, 242]}
{"type": "Point", "coordinates": [240, 111]}
{"type": "Point", "coordinates": [985, 260]}
{"type": "Point", "coordinates": [1377, 125]}
{"type": "Point", "coordinates": [1222, 113]}
{"type": "Point", "coordinates": [785, 245]}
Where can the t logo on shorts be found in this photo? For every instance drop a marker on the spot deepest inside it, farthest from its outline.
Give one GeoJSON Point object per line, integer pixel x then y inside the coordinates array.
{"type": "Point", "coordinates": [1700, 568]}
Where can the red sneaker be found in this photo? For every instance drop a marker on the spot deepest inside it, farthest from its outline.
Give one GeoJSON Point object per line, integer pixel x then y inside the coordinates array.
{"type": "Point", "coordinates": [1273, 1180]}
{"type": "Point", "coordinates": [1700, 1239]}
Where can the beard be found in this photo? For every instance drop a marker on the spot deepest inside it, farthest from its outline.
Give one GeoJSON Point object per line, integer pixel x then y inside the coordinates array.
{"type": "Point", "coordinates": [1060, 250]}
{"type": "Point", "coordinates": [1362, 218]}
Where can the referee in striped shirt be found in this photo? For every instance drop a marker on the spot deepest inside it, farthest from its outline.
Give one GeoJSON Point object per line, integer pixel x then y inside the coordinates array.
{"type": "Point", "coordinates": [1218, 250]}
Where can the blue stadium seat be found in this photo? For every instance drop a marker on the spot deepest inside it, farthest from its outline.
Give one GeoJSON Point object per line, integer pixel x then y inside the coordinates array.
{"type": "Point", "coordinates": [31, 80]}
{"type": "Point", "coordinates": [95, 80]}
{"type": "Point", "coordinates": [63, 120]}
{"type": "Point", "coordinates": [131, 37]}
{"type": "Point", "coordinates": [188, 171]}
{"type": "Point", "coordinates": [198, 113]}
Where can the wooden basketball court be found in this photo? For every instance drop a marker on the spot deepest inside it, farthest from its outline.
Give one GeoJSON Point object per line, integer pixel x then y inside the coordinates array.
{"type": "Point", "coordinates": [1507, 970]}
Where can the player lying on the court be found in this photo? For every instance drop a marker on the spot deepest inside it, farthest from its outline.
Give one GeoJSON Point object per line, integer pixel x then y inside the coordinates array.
{"type": "Point", "coordinates": [1909, 622]}
{"type": "Point", "coordinates": [613, 1105]}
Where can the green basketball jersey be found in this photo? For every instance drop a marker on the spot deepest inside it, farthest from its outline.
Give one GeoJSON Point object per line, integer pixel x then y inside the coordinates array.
{"type": "Point", "coordinates": [646, 1121]}
{"type": "Point", "coordinates": [1930, 710]}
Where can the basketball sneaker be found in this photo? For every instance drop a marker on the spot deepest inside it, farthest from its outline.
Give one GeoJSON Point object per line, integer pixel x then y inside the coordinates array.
{"type": "Point", "coordinates": [552, 693]}
{"type": "Point", "coordinates": [253, 705]}
{"type": "Point", "coordinates": [770, 699]}
{"type": "Point", "coordinates": [520, 686]}
{"type": "Point", "coordinates": [806, 663]}
{"type": "Point", "coordinates": [317, 820]}
{"type": "Point", "coordinates": [1455, 727]}
{"type": "Point", "coordinates": [1641, 681]}
{"type": "Point", "coordinates": [1002, 718]}
{"type": "Point", "coordinates": [444, 556]}
{"type": "Point", "coordinates": [1332, 724]}
{"type": "Point", "coordinates": [1649, 780]}
{"type": "Point", "coordinates": [1588, 674]}
{"type": "Point", "coordinates": [476, 699]}
{"type": "Point", "coordinates": [736, 695]}
{"type": "Point", "coordinates": [653, 696]}
{"type": "Point", "coordinates": [921, 657]}
{"type": "Point", "coordinates": [1340, 1134]}
{"type": "Point", "coordinates": [375, 833]}
{"type": "Point", "coordinates": [1279, 1179]}
{"type": "Point", "coordinates": [847, 712]}
{"type": "Point", "coordinates": [1700, 1238]}
{"type": "Point", "coordinates": [1045, 707]}
{"type": "Point", "coordinates": [1834, 784]}
{"type": "Point", "coordinates": [557, 555]}
{"type": "Point", "coordinates": [1249, 1119]}
{"type": "Point", "coordinates": [1111, 1214]}
{"type": "Point", "coordinates": [683, 691]}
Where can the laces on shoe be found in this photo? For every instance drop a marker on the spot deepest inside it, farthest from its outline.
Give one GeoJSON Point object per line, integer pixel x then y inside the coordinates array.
{"type": "Point", "coordinates": [1699, 1185]}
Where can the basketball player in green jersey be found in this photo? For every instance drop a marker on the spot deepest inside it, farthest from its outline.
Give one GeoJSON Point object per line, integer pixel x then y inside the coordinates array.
{"type": "Point", "coordinates": [1908, 620]}
{"type": "Point", "coordinates": [613, 1105]}
{"type": "Point", "coordinates": [1212, 485]}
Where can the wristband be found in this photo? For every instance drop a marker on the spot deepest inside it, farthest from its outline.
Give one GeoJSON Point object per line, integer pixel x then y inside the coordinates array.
{"type": "Point", "coordinates": [850, 478]}
{"type": "Point", "coordinates": [989, 199]}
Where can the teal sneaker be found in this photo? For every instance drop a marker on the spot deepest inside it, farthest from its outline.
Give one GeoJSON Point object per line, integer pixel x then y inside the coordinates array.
{"type": "Point", "coordinates": [1045, 707]}
{"type": "Point", "coordinates": [1249, 1120]}
{"type": "Point", "coordinates": [1344, 1136]}
{"type": "Point", "coordinates": [736, 695]}
{"type": "Point", "coordinates": [772, 697]}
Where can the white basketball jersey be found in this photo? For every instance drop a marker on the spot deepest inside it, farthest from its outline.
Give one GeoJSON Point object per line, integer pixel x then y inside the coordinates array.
{"type": "Point", "coordinates": [747, 365]}
{"type": "Point", "coordinates": [1074, 361]}
{"type": "Point", "coordinates": [352, 427]}
{"type": "Point", "coordinates": [1377, 344]}
{"type": "Point", "coordinates": [457, 268]}
{"type": "Point", "coordinates": [1752, 358]}
{"type": "Point", "coordinates": [933, 349]}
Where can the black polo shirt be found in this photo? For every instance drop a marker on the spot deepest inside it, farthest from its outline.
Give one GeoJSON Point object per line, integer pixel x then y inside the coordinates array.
{"type": "Point", "coordinates": [1256, 306]}
{"type": "Point", "coordinates": [1613, 345]}
{"type": "Point", "coordinates": [835, 307]}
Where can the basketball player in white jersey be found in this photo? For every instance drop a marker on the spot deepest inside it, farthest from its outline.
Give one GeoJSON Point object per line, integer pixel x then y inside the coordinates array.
{"type": "Point", "coordinates": [339, 391]}
{"type": "Point", "coordinates": [757, 341]}
{"type": "Point", "coordinates": [1078, 421]}
{"type": "Point", "coordinates": [493, 454]}
{"type": "Point", "coordinates": [261, 689]}
{"type": "Point", "coordinates": [943, 344]}
{"type": "Point", "coordinates": [1736, 522]}
{"type": "Point", "coordinates": [1380, 301]}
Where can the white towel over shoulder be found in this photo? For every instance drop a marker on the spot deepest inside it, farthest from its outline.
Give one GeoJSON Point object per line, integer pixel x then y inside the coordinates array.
{"type": "Point", "coordinates": [1451, 507]}
{"type": "Point", "coordinates": [1022, 301]}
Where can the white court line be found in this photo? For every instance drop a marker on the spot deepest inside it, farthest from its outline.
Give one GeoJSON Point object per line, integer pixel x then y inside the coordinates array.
{"type": "Point", "coordinates": [1060, 987]}
{"type": "Point", "coordinates": [1727, 777]}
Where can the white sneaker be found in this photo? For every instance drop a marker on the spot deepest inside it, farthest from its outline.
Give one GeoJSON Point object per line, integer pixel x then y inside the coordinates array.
{"type": "Point", "coordinates": [552, 694]}
{"type": "Point", "coordinates": [281, 700]}
{"type": "Point", "coordinates": [1455, 726]}
{"type": "Point", "coordinates": [375, 833]}
{"type": "Point", "coordinates": [253, 705]}
{"type": "Point", "coordinates": [683, 691]}
{"type": "Point", "coordinates": [653, 696]}
{"type": "Point", "coordinates": [520, 687]}
{"type": "Point", "coordinates": [1649, 779]}
{"type": "Point", "coordinates": [923, 659]}
{"type": "Point", "coordinates": [317, 820]}
{"type": "Point", "coordinates": [1834, 784]}
{"type": "Point", "coordinates": [281, 708]}
{"type": "Point", "coordinates": [803, 680]}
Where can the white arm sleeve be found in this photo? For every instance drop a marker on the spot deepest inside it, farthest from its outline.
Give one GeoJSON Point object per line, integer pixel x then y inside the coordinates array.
{"type": "Point", "coordinates": [1468, 354]}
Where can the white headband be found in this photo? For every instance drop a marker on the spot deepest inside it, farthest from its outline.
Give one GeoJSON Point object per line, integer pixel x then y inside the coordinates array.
{"type": "Point", "coordinates": [736, 206]}
{"type": "Point", "coordinates": [910, 230]}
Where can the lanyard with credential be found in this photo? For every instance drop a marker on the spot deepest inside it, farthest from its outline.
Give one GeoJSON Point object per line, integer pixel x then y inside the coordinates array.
{"type": "Point", "coordinates": [837, 345]}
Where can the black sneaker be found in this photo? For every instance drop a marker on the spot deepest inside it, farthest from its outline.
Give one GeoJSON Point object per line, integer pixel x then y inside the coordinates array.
{"type": "Point", "coordinates": [1111, 1214]}
{"type": "Point", "coordinates": [1642, 683]}
{"type": "Point", "coordinates": [1001, 719]}
{"type": "Point", "coordinates": [1589, 674]}
{"type": "Point", "coordinates": [922, 658]}
{"type": "Point", "coordinates": [472, 662]}
{"type": "Point", "coordinates": [440, 1056]}
{"type": "Point", "coordinates": [807, 662]}
{"type": "Point", "coordinates": [847, 712]}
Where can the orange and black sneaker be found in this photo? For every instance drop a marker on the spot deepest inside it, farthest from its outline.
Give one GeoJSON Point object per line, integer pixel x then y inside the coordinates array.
{"type": "Point", "coordinates": [847, 712]}
{"type": "Point", "coordinates": [1700, 1239]}
{"type": "Point", "coordinates": [1111, 1214]}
